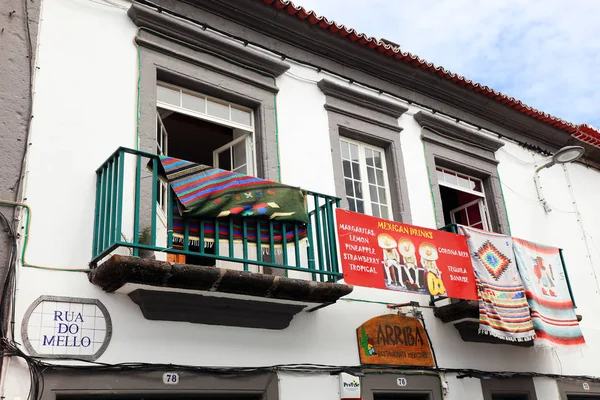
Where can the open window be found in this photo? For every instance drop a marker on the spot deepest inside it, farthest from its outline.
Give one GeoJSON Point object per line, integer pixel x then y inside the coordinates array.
{"type": "Point", "coordinates": [202, 129]}
{"type": "Point", "coordinates": [463, 199]}
{"type": "Point", "coordinates": [463, 173]}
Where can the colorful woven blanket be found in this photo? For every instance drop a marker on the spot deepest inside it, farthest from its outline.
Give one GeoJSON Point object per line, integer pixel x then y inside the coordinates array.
{"type": "Point", "coordinates": [503, 308]}
{"type": "Point", "coordinates": [205, 191]}
{"type": "Point", "coordinates": [195, 226]}
{"type": "Point", "coordinates": [552, 310]}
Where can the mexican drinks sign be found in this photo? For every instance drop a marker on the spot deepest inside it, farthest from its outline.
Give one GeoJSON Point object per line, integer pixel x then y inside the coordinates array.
{"type": "Point", "coordinates": [388, 255]}
{"type": "Point", "coordinates": [394, 340]}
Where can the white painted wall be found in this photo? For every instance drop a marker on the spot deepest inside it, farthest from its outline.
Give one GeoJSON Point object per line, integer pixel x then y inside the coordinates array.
{"type": "Point", "coordinates": [85, 107]}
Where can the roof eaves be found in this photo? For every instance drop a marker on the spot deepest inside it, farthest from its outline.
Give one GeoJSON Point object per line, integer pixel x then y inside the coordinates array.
{"type": "Point", "coordinates": [584, 132]}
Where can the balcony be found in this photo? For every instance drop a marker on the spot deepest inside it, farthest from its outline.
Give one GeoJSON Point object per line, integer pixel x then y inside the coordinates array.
{"type": "Point", "coordinates": [236, 271]}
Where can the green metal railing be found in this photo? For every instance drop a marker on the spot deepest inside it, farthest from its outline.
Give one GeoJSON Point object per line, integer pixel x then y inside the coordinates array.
{"type": "Point", "coordinates": [126, 200]}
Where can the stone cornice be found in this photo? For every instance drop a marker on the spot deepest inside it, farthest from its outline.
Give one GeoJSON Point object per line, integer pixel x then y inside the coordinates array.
{"type": "Point", "coordinates": [155, 46]}
{"type": "Point", "coordinates": [147, 17]}
{"type": "Point", "coordinates": [359, 98]}
{"type": "Point", "coordinates": [454, 131]}
{"type": "Point", "coordinates": [289, 35]}
{"type": "Point", "coordinates": [363, 118]}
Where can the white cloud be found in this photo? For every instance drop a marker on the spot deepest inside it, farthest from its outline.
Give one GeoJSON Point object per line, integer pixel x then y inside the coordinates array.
{"type": "Point", "coordinates": [543, 52]}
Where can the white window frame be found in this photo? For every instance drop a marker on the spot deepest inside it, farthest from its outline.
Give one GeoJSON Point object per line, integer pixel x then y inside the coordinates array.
{"type": "Point", "coordinates": [229, 147]}
{"type": "Point", "coordinates": [483, 209]}
{"type": "Point", "coordinates": [205, 116]}
{"type": "Point", "coordinates": [248, 132]}
{"type": "Point", "coordinates": [162, 143]}
{"type": "Point", "coordinates": [365, 178]}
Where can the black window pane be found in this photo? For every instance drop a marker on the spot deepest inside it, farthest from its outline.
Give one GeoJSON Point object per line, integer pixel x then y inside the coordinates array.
{"type": "Point", "coordinates": [360, 206]}
{"type": "Point", "coordinates": [356, 170]}
{"type": "Point", "coordinates": [347, 171]}
{"type": "Point", "coordinates": [351, 205]}
{"type": "Point", "coordinates": [349, 190]}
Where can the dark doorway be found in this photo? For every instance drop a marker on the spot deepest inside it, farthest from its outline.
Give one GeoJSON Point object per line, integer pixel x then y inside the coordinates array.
{"type": "Point", "coordinates": [163, 397]}
{"type": "Point", "coordinates": [582, 397]}
{"type": "Point", "coordinates": [400, 396]}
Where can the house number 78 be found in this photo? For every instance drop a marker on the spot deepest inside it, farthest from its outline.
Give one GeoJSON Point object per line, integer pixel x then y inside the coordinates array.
{"type": "Point", "coordinates": [171, 378]}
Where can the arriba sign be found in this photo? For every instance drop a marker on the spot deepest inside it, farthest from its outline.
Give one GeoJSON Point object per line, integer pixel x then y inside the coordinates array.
{"type": "Point", "coordinates": [388, 255]}
{"type": "Point", "coordinates": [394, 340]}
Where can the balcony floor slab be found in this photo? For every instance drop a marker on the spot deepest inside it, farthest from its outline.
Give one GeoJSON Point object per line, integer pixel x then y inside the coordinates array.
{"type": "Point", "coordinates": [211, 295]}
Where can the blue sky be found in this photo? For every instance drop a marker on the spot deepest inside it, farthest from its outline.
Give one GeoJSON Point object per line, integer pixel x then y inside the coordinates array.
{"type": "Point", "coordinates": [545, 53]}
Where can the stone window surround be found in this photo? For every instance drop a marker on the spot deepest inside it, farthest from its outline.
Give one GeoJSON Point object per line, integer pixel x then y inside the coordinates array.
{"type": "Point", "coordinates": [59, 384]}
{"type": "Point", "coordinates": [450, 145]}
{"type": "Point", "coordinates": [571, 387]}
{"type": "Point", "coordinates": [388, 384]}
{"type": "Point", "coordinates": [216, 67]}
{"type": "Point", "coordinates": [371, 120]}
{"type": "Point", "coordinates": [508, 386]}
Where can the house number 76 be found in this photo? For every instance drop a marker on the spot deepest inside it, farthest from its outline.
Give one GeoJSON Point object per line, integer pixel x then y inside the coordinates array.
{"type": "Point", "coordinates": [171, 378]}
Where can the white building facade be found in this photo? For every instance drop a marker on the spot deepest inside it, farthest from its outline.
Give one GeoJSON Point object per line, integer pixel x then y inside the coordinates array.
{"type": "Point", "coordinates": [271, 91]}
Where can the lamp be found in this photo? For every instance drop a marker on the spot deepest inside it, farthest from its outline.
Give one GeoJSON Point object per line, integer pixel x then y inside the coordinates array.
{"type": "Point", "coordinates": [565, 155]}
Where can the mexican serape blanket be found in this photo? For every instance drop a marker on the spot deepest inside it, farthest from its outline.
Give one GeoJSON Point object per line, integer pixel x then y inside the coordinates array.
{"type": "Point", "coordinates": [503, 308]}
{"type": "Point", "coordinates": [284, 235]}
{"type": "Point", "coordinates": [205, 191]}
{"type": "Point", "coordinates": [547, 292]}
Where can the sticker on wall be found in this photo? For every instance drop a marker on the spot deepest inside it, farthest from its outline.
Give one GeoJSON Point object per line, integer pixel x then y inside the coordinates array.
{"type": "Point", "coordinates": [349, 387]}
{"type": "Point", "coordinates": [66, 327]}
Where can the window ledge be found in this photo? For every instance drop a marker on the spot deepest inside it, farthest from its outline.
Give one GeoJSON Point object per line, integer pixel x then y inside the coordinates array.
{"type": "Point", "coordinates": [464, 315]}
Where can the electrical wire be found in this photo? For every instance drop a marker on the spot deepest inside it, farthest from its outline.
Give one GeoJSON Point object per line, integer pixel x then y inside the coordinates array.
{"type": "Point", "coordinates": [108, 3]}
{"type": "Point", "coordinates": [26, 237]}
{"type": "Point", "coordinates": [580, 223]}
{"type": "Point", "coordinates": [7, 300]}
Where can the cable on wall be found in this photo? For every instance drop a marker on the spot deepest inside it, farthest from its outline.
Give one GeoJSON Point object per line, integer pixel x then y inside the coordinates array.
{"type": "Point", "coordinates": [581, 227]}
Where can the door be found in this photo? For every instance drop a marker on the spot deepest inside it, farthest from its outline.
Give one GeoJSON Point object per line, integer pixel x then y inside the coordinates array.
{"type": "Point", "coordinates": [400, 396]}
{"type": "Point", "coordinates": [235, 155]}
{"type": "Point", "coordinates": [471, 214]}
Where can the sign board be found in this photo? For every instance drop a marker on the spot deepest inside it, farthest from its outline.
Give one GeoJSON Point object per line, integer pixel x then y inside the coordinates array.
{"type": "Point", "coordinates": [388, 255]}
{"type": "Point", "coordinates": [171, 378]}
{"type": "Point", "coordinates": [394, 340]}
{"type": "Point", "coordinates": [66, 327]}
{"type": "Point", "coordinates": [349, 387]}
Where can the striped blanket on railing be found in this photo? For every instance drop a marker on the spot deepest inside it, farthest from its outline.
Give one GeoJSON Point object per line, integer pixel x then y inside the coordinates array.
{"type": "Point", "coordinates": [195, 225]}
{"type": "Point", "coordinates": [547, 291]}
{"type": "Point", "coordinates": [204, 191]}
{"type": "Point", "coordinates": [503, 308]}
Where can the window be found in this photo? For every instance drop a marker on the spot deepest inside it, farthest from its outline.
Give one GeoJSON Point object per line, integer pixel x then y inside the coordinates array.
{"type": "Point", "coordinates": [365, 178]}
{"type": "Point", "coordinates": [463, 199]}
{"type": "Point", "coordinates": [202, 129]}
{"type": "Point", "coordinates": [463, 173]}
{"type": "Point", "coordinates": [571, 389]}
{"type": "Point", "coordinates": [368, 168]}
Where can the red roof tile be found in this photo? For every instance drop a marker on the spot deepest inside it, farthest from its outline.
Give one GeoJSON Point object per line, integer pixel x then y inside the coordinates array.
{"type": "Point", "coordinates": [585, 133]}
